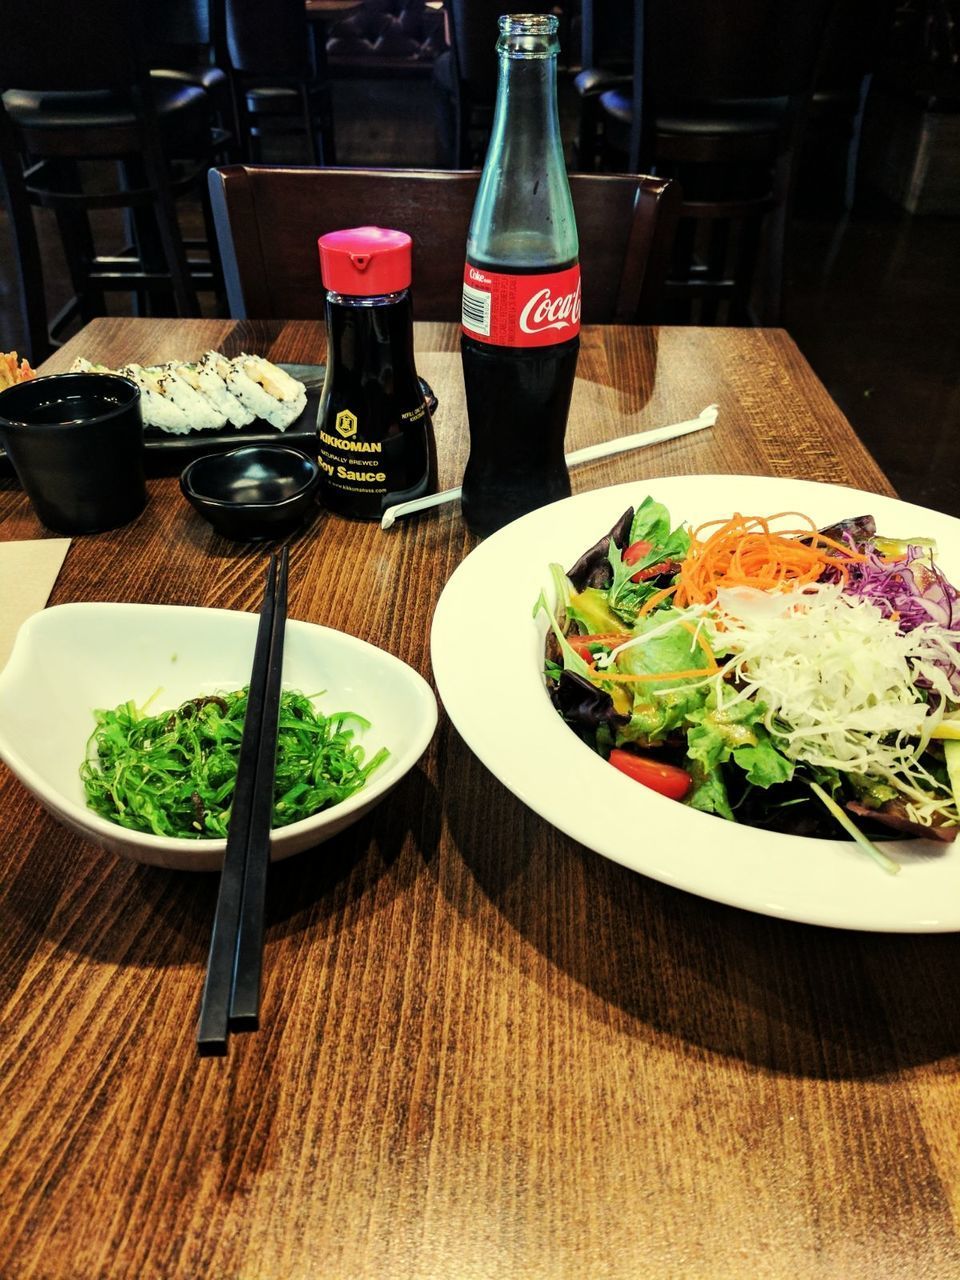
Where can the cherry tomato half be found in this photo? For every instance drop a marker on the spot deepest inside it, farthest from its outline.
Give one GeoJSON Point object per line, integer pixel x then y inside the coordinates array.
{"type": "Point", "coordinates": [667, 779]}
{"type": "Point", "coordinates": [636, 551]}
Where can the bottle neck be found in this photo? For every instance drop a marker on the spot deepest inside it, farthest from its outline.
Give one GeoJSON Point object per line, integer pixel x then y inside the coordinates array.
{"type": "Point", "coordinates": [526, 109]}
{"type": "Point", "coordinates": [523, 215]}
{"type": "Point", "coordinates": [526, 124]}
{"type": "Point", "coordinates": [529, 35]}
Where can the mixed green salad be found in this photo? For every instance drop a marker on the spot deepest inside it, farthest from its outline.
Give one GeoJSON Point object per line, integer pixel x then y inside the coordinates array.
{"type": "Point", "coordinates": [173, 774]}
{"type": "Point", "coordinates": [767, 671]}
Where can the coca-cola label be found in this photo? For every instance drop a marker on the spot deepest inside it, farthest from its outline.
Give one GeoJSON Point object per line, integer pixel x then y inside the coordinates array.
{"type": "Point", "coordinates": [521, 310]}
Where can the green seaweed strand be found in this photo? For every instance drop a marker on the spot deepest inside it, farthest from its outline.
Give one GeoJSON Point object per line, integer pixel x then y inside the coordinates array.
{"type": "Point", "coordinates": [173, 774]}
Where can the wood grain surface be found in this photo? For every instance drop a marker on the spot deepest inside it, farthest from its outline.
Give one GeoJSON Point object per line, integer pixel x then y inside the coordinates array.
{"type": "Point", "coordinates": [485, 1051]}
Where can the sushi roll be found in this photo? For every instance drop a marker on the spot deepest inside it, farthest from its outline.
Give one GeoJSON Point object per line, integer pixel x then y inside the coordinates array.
{"type": "Point", "coordinates": [211, 371]}
{"type": "Point", "coordinates": [201, 412]}
{"type": "Point", "coordinates": [190, 373]}
{"type": "Point", "coordinates": [84, 366]}
{"type": "Point", "coordinates": [268, 392]}
{"type": "Point", "coordinates": [184, 396]}
{"type": "Point", "coordinates": [277, 381]}
{"type": "Point", "coordinates": [158, 409]}
{"type": "Point", "coordinates": [155, 408]}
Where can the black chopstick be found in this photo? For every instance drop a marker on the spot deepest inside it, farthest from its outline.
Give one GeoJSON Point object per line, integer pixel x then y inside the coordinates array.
{"type": "Point", "coordinates": [245, 999]}
{"type": "Point", "coordinates": [221, 961]}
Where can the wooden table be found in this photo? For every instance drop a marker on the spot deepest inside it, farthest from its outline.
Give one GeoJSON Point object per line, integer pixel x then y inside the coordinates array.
{"type": "Point", "coordinates": [486, 1050]}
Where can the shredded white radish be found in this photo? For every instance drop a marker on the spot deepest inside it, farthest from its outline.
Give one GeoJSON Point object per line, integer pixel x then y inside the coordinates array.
{"type": "Point", "coordinates": [838, 679]}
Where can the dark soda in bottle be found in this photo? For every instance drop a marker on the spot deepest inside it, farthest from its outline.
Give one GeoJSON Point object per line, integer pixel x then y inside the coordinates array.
{"type": "Point", "coordinates": [521, 291]}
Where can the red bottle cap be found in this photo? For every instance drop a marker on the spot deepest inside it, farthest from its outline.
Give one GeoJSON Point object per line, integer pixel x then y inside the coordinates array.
{"type": "Point", "coordinates": [365, 261]}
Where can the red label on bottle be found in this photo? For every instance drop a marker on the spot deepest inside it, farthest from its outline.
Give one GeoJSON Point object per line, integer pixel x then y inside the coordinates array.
{"type": "Point", "coordinates": [521, 310]}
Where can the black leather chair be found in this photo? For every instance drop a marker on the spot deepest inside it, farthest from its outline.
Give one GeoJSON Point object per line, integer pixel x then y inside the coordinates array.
{"type": "Point", "coordinates": [606, 61]}
{"type": "Point", "coordinates": [279, 76]}
{"type": "Point", "coordinates": [717, 99]}
{"type": "Point", "coordinates": [187, 42]}
{"type": "Point", "coordinates": [83, 127]}
{"type": "Point", "coordinates": [828, 171]}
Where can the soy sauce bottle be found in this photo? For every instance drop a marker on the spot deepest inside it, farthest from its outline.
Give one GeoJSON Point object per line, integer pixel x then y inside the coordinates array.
{"type": "Point", "coordinates": [375, 438]}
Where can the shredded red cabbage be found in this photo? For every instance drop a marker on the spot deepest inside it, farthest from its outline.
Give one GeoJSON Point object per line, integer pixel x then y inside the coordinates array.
{"type": "Point", "coordinates": [913, 589]}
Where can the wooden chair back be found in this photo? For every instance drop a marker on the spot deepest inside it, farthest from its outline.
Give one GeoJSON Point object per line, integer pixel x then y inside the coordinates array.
{"type": "Point", "coordinates": [268, 219]}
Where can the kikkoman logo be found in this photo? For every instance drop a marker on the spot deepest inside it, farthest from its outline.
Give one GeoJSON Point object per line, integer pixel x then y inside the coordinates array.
{"type": "Point", "coordinates": [346, 423]}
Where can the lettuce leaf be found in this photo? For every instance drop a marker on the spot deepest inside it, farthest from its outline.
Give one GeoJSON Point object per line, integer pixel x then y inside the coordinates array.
{"type": "Point", "coordinates": [661, 707]}
{"type": "Point", "coordinates": [736, 732]}
{"type": "Point", "coordinates": [651, 523]}
{"type": "Point", "coordinates": [584, 707]}
{"type": "Point", "coordinates": [590, 610]}
{"type": "Point", "coordinates": [665, 648]}
{"type": "Point", "coordinates": [763, 763]}
{"type": "Point", "coordinates": [655, 718]}
{"type": "Point", "coordinates": [571, 659]}
{"type": "Point", "coordinates": [709, 792]}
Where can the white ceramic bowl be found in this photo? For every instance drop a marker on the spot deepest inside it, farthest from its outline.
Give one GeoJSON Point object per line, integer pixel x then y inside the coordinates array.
{"type": "Point", "coordinates": [73, 658]}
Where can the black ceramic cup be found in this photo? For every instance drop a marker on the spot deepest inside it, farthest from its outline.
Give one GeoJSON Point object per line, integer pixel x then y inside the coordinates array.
{"type": "Point", "coordinates": [76, 444]}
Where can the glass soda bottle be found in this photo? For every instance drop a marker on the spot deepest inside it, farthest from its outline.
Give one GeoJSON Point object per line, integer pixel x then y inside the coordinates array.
{"type": "Point", "coordinates": [521, 291]}
{"type": "Point", "coordinates": [375, 442]}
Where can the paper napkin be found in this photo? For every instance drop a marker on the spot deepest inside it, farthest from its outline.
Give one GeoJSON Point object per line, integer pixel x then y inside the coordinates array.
{"type": "Point", "coordinates": [28, 571]}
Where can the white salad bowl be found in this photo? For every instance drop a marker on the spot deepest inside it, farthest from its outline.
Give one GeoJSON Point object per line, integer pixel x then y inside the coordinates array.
{"type": "Point", "coordinates": [502, 710]}
{"type": "Point", "coordinates": [71, 659]}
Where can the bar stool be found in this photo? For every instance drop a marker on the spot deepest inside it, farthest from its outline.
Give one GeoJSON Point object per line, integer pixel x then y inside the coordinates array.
{"type": "Point", "coordinates": [83, 127]}
{"type": "Point", "coordinates": [465, 79]}
{"type": "Point", "coordinates": [718, 101]}
{"type": "Point", "coordinates": [279, 76]}
{"type": "Point", "coordinates": [187, 42]}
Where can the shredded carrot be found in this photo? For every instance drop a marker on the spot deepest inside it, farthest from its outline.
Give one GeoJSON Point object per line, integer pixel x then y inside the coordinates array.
{"type": "Point", "coordinates": [628, 678]}
{"type": "Point", "coordinates": [745, 552]}
{"type": "Point", "coordinates": [657, 598]}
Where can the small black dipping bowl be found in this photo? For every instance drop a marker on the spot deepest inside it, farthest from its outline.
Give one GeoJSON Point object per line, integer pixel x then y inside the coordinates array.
{"type": "Point", "coordinates": [253, 493]}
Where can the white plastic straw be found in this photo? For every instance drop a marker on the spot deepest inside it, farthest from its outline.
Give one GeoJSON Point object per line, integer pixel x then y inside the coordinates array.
{"type": "Point", "coordinates": [639, 440]}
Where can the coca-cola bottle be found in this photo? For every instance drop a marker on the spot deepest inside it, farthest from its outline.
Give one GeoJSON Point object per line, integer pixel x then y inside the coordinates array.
{"type": "Point", "coordinates": [521, 291]}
